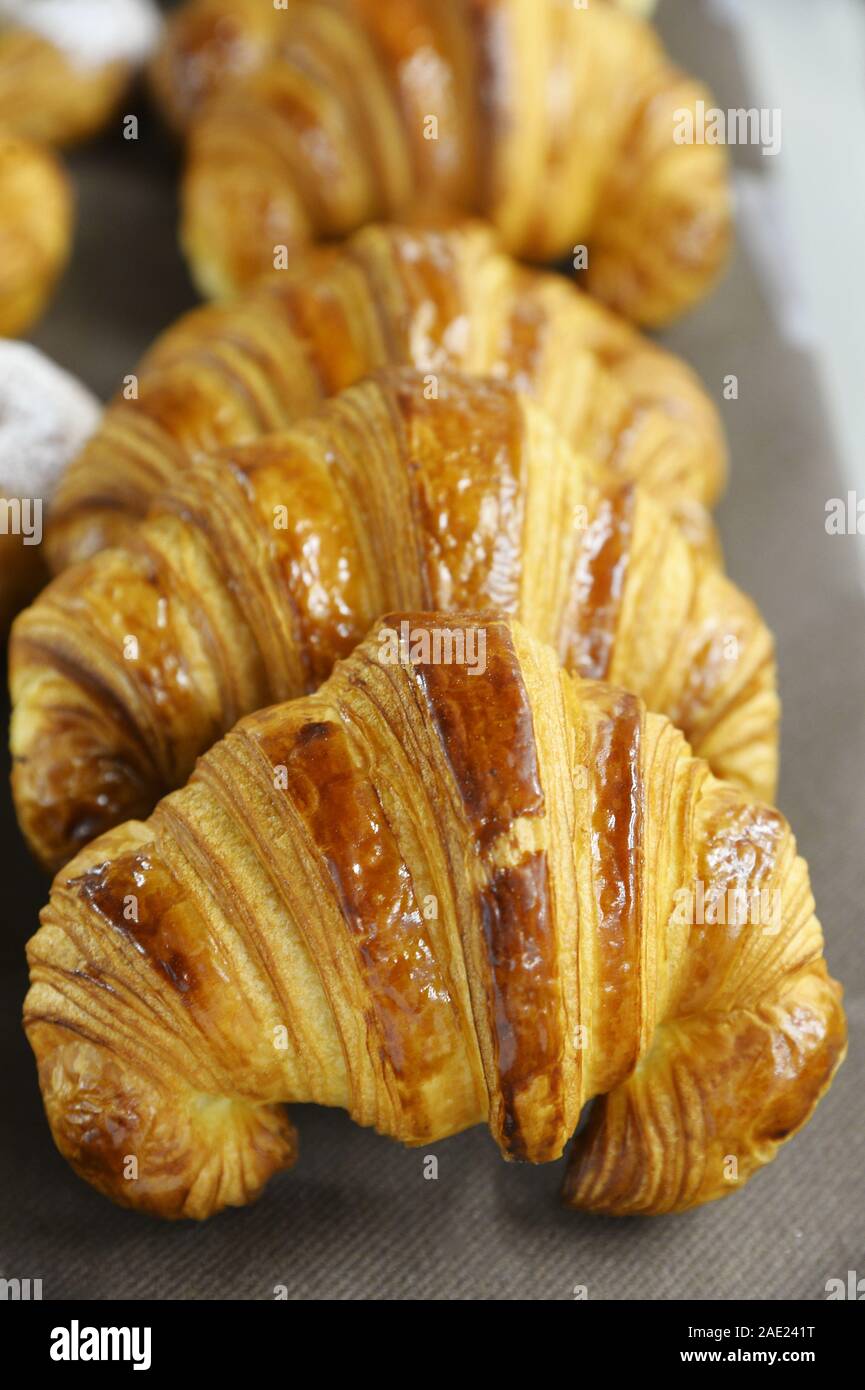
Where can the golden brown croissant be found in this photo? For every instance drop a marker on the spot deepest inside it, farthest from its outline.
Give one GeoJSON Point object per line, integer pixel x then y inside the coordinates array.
{"type": "Point", "coordinates": [555, 122]}
{"type": "Point", "coordinates": [35, 230]}
{"type": "Point", "coordinates": [434, 300]}
{"type": "Point", "coordinates": [265, 564]}
{"type": "Point", "coordinates": [64, 64]}
{"type": "Point", "coordinates": [450, 888]}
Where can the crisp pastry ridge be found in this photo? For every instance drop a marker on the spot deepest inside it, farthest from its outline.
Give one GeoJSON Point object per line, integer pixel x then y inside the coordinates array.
{"type": "Point", "coordinates": [264, 565]}
{"type": "Point", "coordinates": [225, 374]}
{"type": "Point", "coordinates": [437, 894]}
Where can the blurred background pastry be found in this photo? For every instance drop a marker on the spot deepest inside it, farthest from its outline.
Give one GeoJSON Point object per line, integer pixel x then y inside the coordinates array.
{"type": "Point", "coordinates": [553, 122]}
{"type": "Point", "coordinates": [46, 415]}
{"type": "Point", "coordinates": [64, 64]}
{"type": "Point", "coordinates": [35, 229]}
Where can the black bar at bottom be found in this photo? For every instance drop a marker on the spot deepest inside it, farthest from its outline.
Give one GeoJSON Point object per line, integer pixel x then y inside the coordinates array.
{"type": "Point", "coordinates": [155, 1337]}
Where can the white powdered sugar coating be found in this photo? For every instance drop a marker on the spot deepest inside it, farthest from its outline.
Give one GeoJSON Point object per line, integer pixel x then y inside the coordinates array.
{"type": "Point", "coordinates": [91, 33]}
{"type": "Point", "coordinates": [46, 415]}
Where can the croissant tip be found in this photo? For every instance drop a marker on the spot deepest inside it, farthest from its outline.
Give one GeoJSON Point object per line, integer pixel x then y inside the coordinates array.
{"type": "Point", "coordinates": [157, 1148]}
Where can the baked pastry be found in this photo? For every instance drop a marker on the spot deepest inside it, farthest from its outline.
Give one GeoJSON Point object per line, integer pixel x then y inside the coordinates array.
{"type": "Point", "coordinates": [45, 417]}
{"type": "Point", "coordinates": [434, 300]}
{"type": "Point", "coordinates": [436, 894]}
{"type": "Point", "coordinates": [35, 230]}
{"type": "Point", "coordinates": [555, 122]}
{"type": "Point", "coordinates": [65, 64]}
{"type": "Point", "coordinates": [265, 565]}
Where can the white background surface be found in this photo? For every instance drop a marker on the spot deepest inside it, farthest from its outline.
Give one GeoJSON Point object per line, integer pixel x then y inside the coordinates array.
{"type": "Point", "coordinates": [807, 57]}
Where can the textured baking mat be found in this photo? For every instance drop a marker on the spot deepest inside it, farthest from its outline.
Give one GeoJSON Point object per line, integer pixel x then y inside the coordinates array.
{"type": "Point", "coordinates": [357, 1218]}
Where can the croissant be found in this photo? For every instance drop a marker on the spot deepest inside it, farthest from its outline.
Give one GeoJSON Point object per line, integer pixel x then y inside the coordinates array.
{"type": "Point", "coordinates": [556, 122]}
{"type": "Point", "coordinates": [229, 373]}
{"type": "Point", "coordinates": [65, 64]}
{"type": "Point", "coordinates": [266, 564]}
{"type": "Point", "coordinates": [35, 230]}
{"type": "Point", "coordinates": [445, 889]}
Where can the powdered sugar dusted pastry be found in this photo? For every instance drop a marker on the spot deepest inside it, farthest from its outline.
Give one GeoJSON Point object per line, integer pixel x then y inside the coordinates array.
{"type": "Point", "coordinates": [46, 415]}
{"type": "Point", "coordinates": [64, 64]}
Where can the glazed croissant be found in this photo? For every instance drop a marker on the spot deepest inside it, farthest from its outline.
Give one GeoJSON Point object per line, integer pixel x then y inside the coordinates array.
{"type": "Point", "coordinates": [449, 888]}
{"type": "Point", "coordinates": [266, 564]}
{"type": "Point", "coordinates": [35, 230]}
{"type": "Point", "coordinates": [555, 122]}
{"type": "Point", "coordinates": [433, 300]}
